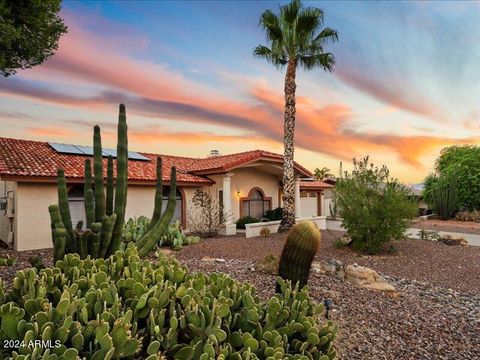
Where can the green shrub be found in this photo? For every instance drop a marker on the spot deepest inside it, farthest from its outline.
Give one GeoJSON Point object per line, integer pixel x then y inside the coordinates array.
{"type": "Point", "coordinates": [275, 214]}
{"type": "Point", "coordinates": [462, 162]}
{"type": "Point", "coordinates": [374, 207]}
{"type": "Point", "coordinates": [36, 262]}
{"type": "Point", "coordinates": [125, 307]}
{"type": "Point", "coordinates": [7, 261]}
{"type": "Point", "coordinates": [246, 220]}
{"type": "Point", "coordinates": [442, 195]}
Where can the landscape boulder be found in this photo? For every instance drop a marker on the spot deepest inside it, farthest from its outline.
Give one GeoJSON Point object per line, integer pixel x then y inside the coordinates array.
{"type": "Point", "coordinates": [331, 267]}
{"type": "Point", "coordinates": [454, 240]}
{"type": "Point", "coordinates": [367, 278]}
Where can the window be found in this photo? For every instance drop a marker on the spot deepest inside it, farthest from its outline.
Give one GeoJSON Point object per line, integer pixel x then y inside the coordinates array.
{"type": "Point", "coordinates": [178, 208]}
{"type": "Point", "coordinates": [76, 205]}
{"type": "Point", "coordinates": [255, 205]}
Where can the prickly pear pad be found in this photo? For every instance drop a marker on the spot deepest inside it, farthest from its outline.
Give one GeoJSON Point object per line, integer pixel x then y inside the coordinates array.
{"type": "Point", "coordinates": [125, 307]}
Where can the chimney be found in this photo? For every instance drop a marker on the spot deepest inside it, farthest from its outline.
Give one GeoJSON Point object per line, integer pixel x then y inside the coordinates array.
{"type": "Point", "coordinates": [214, 153]}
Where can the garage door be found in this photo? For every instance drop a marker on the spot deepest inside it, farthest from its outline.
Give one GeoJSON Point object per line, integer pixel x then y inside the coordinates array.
{"type": "Point", "coordinates": [308, 204]}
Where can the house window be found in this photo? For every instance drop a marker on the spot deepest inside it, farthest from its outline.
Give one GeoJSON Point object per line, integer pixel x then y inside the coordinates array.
{"type": "Point", "coordinates": [177, 215]}
{"type": "Point", "coordinates": [255, 205]}
{"type": "Point", "coordinates": [76, 205]}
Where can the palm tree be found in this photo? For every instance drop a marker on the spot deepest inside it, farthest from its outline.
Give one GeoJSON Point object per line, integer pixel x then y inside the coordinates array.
{"type": "Point", "coordinates": [295, 39]}
{"type": "Point", "coordinates": [320, 174]}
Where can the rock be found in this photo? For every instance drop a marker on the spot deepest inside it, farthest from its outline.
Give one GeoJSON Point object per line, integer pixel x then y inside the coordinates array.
{"type": "Point", "coordinates": [367, 278]}
{"type": "Point", "coordinates": [208, 259]}
{"type": "Point", "coordinates": [345, 240]}
{"type": "Point", "coordinates": [454, 240]}
{"type": "Point", "coordinates": [220, 260]}
{"type": "Point", "coordinates": [330, 267]}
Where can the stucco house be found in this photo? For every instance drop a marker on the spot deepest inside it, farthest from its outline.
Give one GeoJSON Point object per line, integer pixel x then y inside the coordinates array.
{"type": "Point", "coordinates": [247, 183]}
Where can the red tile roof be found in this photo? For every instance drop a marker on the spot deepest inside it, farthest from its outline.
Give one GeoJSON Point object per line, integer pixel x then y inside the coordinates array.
{"type": "Point", "coordinates": [310, 185]}
{"type": "Point", "coordinates": [38, 160]}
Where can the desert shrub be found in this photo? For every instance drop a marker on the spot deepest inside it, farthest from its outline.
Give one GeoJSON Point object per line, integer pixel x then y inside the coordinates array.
{"type": "Point", "coordinates": [275, 214]}
{"type": "Point", "coordinates": [36, 262]}
{"type": "Point", "coordinates": [374, 207]}
{"type": "Point", "coordinates": [462, 162]}
{"type": "Point", "coordinates": [268, 265]}
{"type": "Point", "coordinates": [246, 220]}
{"type": "Point", "coordinates": [206, 215]}
{"type": "Point", "coordinates": [125, 307]}
{"type": "Point", "coordinates": [7, 261]}
{"type": "Point", "coordinates": [174, 237]}
{"type": "Point", "coordinates": [442, 195]}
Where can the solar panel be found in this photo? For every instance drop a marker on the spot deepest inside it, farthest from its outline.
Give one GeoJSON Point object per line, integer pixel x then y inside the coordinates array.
{"type": "Point", "coordinates": [136, 156]}
{"type": "Point", "coordinates": [65, 149]}
{"type": "Point", "coordinates": [88, 150]}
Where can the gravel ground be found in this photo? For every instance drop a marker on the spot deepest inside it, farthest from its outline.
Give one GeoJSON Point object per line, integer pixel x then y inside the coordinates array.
{"type": "Point", "coordinates": [436, 316]}
{"type": "Point", "coordinates": [468, 227]}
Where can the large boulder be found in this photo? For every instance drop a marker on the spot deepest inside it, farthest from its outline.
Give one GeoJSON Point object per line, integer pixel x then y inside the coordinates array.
{"type": "Point", "coordinates": [331, 267]}
{"type": "Point", "coordinates": [453, 240]}
{"type": "Point", "coordinates": [367, 278]}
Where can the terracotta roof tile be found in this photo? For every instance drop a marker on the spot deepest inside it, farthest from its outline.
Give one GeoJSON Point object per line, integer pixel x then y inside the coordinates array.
{"type": "Point", "coordinates": [315, 185]}
{"type": "Point", "coordinates": [27, 158]}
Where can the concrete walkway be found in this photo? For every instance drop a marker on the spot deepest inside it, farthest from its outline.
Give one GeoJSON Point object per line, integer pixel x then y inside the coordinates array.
{"type": "Point", "coordinates": [473, 239]}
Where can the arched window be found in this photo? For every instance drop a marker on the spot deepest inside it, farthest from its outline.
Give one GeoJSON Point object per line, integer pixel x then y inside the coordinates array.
{"type": "Point", "coordinates": [255, 205]}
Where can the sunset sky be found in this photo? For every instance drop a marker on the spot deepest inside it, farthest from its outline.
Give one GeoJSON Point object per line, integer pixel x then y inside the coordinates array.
{"type": "Point", "coordinates": [406, 82]}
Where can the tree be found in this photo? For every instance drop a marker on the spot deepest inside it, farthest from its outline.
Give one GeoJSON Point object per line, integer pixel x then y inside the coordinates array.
{"type": "Point", "coordinates": [206, 215]}
{"type": "Point", "coordinates": [29, 33]}
{"type": "Point", "coordinates": [462, 162]}
{"type": "Point", "coordinates": [320, 174]}
{"type": "Point", "coordinates": [374, 207]}
{"type": "Point", "coordinates": [295, 39]}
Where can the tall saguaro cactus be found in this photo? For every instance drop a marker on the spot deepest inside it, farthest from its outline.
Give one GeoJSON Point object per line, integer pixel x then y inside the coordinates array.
{"type": "Point", "coordinates": [121, 184]}
{"type": "Point", "coordinates": [104, 226]}
{"type": "Point", "coordinates": [98, 174]}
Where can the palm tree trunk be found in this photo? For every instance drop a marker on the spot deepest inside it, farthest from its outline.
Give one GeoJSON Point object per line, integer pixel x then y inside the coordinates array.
{"type": "Point", "coordinates": [288, 197]}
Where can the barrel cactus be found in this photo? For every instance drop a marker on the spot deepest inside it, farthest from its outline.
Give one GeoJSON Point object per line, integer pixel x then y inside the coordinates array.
{"type": "Point", "coordinates": [298, 253]}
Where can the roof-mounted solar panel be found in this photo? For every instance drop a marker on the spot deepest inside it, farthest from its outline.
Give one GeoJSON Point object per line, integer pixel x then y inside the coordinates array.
{"type": "Point", "coordinates": [136, 156]}
{"type": "Point", "coordinates": [88, 150]}
{"type": "Point", "coordinates": [65, 149]}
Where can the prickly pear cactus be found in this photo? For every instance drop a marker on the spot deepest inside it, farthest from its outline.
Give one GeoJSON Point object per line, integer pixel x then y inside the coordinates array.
{"type": "Point", "coordinates": [123, 307]}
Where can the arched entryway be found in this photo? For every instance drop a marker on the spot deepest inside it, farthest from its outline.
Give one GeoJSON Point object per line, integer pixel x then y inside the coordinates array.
{"type": "Point", "coordinates": [255, 204]}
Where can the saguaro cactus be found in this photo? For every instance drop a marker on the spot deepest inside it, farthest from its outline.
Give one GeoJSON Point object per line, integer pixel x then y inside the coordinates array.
{"type": "Point", "coordinates": [70, 245]}
{"type": "Point", "coordinates": [148, 241]}
{"type": "Point", "coordinates": [110, 186]}
{"type": "Point", "coordinates": [298, 253]}
{"type": "Point", "coordinates": [121, 184]}
{"type": "Point", "coordinates": [98, 174]}
{"type": "Point", "coordinates": [157, 210]}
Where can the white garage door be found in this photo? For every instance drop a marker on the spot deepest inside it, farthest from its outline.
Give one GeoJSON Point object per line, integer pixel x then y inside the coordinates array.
{"type": "Point", "coordinates": [309, 204]}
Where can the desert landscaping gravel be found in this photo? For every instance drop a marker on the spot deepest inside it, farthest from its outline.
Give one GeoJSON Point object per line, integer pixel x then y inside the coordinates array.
{"type": "Point", "coordinates": [448, 225]}
{"type": "Point", "coordinates": [435, 313]}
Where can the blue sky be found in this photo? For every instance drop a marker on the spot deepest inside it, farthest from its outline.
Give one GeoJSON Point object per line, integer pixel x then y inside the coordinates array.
{"type": "Point", "coordinates": [406, 82]}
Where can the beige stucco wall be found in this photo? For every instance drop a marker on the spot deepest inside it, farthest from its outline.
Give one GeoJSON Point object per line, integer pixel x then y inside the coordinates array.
{"type": "Point", "coordinates": [140, 200]}
{"type": "Point", "coordinates": [243, 180]}
{"type": "Point", "coordinates": [32, 221]}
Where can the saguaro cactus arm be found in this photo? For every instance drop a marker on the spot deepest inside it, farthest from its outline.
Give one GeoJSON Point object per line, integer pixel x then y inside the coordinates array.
{"type": "Point", "coordinates": [98, 175]}
{"type": "Point", "coordinates": [110, 186]}
{"type": "Point", "coordinates": [70, 246]}
{"type": "Point", "coordinates": [157, 210]}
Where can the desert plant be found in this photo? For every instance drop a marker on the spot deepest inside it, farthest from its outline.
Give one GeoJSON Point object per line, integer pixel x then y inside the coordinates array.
{"type": "Point", "coordinates": [443, 196]}
{"type": "Point", "coordinates": [374, 207]}
{"type": "Point", "coordinates": [36, 262]}
{"type": "Point", "coordinates": [99, 238]}
{"type": "Point", "coordinates": [246, 220]}
{"type": "Point", "coordinates": [149, 240]}
{"type": "Point", "coordinates": [268, 265]}
{"type": "Point", "coordinates": [265, 232]}
{"type": "Point", "coordinates": [428, 235]}
{"type": "Point", "coordinates": [332, 206]}
{"type": "Point", "coordinates": [298, 253]}
{"type": "Point", "coordinates": [206, 217]}
{"type": "Point", "coordinates": [7, 261]}
{"type": "Point", "coordinates": [295, 38]}
{"type": "Point", "coordinates": [175, 238]}
{"type": "Point", "coordinates": [275, 214]}
{"type": "Point", "coordinates": [125, 307]}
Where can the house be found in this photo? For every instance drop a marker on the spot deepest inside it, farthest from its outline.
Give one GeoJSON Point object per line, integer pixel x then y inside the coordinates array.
{"type": "Point", "coordinates": [247, 183]}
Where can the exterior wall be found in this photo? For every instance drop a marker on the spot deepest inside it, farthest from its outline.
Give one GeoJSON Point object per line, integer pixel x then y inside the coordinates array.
{"type": "Point", "coordinates": [243, 180]}
{"type": "Point", "coordinates": [328, 196]}
{"type": "Point", "coordinates": [309, 204]}
{"type": "Point", "coordinates": [32, 221]}
{"type": "Point", "coordinates": [140, 201]}
{"type": "Point", "coordinates": [7, 190]}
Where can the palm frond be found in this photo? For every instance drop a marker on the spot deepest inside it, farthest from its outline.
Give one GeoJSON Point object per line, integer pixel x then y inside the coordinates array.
{"type": "Point", "coordinates": [270, 23]}
{"type": "Point", "coordinates": [308, 21]}
{"type": "Point", "coordinates": [289, 12]}
{"type": "Point", "coordinates": [323, 60]}
{"type": "Point", "coordinates": [270, 55]}
{"type": "Point", "coordinates": [327, 34]}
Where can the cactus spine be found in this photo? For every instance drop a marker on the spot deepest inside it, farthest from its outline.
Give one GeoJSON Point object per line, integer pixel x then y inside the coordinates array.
{"type": "Point", "coordinates": [98, 174]}
{"type": "Point", "coordinates": [70, 246]}
{"type": "Point", "coordinates": [157, 210]}
{"type": "Point", "coordinates": [298, 253]}
{"type": "Point", "coordinates": [121, 183]}
{"type": "Point", "coordinates": [110, 189]}
{"type": "Point", "coordinates": [149, 240]}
